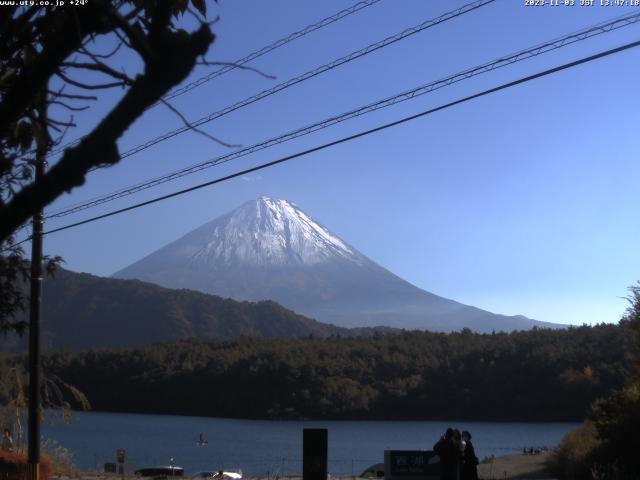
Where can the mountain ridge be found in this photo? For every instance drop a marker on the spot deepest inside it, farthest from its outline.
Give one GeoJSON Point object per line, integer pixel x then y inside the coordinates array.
{"type": "Point", "coordinates": [81, 311]}
{"type": "Point", "coordinates": [271, 249]}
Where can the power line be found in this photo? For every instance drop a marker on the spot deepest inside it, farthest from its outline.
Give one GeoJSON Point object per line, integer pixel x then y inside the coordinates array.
{"type": "Point", "coordinates": [16, 233]}
{"type": "Point", "coordinates": [310, 74]}
{"type": "Point", "coordinates": [521, 55]}
{"type": "Point", "coordinates": [357, 135]}
{"type": "Point", "coordinates": [8, 248]}
{"type": "Point", "coordinates": [305, 76]}
{"type": "Point", "coordinates": [249, 58]}
{"type": "Point", "coordinates": [278, 43]}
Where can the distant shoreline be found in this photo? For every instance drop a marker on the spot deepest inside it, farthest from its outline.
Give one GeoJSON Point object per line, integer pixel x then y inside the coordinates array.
{"type": "Point", "coordinates": [330, 419]}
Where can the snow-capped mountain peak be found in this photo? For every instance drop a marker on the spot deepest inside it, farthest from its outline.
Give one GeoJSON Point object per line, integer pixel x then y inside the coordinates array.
{"type": "Point", "coordinates": [269, 231]}
{"type": "Point", "coordinates": [270, 249]}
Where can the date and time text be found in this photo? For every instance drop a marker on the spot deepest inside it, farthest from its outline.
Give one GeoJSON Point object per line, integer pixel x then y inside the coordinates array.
{"type": "Point", "coordinates": [582, 3]}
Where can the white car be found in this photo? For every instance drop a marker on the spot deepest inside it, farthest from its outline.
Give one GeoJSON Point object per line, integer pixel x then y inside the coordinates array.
{"type": "Point", "coordinates": [218, 475]}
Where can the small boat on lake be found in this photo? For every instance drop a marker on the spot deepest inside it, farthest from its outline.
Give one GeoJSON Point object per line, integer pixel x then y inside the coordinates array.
{"type": "Point", "coordinates": [201, 440]}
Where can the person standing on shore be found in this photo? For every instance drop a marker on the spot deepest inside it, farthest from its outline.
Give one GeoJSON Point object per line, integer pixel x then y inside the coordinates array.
{"type": "Point", "coordinates": [469, 459]}
{"type": "Point", "coordinates": [448, 449]}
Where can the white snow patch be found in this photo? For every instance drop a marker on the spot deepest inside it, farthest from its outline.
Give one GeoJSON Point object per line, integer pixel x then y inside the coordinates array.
{"type": "Point", "coordinates": [272, 232]}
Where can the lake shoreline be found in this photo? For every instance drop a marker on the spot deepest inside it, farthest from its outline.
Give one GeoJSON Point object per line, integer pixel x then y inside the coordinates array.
{"type": "Point", "coordinates": [515, 466]}
{"type": "Point", "coordinates": [470, 420]}
{"type": "Point", "coordinates": [263, 448]}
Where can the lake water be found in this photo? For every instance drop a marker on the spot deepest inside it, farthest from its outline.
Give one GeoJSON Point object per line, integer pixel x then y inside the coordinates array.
{"type": "Point", "coordinates": [259, 447]}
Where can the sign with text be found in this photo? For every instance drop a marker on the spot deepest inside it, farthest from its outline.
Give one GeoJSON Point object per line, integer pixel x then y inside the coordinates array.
{"type": "Point", "coordinates": [411, 465]}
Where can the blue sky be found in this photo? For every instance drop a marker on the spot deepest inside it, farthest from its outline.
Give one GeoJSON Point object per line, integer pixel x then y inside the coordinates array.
{"type": "Point", "coordinates": [522, 202]}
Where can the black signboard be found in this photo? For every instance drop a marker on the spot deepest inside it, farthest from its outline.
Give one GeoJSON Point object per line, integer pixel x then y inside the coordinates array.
{"type": "Point", "coordinates": [314, 453]}
{"type": "Point", "coordinates": [411, 464]}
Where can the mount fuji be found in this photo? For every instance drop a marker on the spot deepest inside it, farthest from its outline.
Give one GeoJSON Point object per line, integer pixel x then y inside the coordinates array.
{"type": "Point", "coordinates": [271, 249]}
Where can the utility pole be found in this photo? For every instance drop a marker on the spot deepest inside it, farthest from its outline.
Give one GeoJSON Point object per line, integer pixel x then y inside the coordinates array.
{"type": "Point", "coordinates": [35, 379]}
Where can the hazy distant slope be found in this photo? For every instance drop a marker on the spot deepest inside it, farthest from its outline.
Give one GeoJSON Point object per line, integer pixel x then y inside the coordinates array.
{"type": "Point", "coordinates": [271, 249]}
{"type": "Point", "coordinates": [82, 311]}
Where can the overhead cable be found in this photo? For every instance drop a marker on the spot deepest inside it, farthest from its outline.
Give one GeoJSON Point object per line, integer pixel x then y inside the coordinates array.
{"type": "Point", "coordinates": [277, 44]}
{"type": "Point", "coordinates": [355, 136]}
{"type": "Point", "coordinates": [250, 57]}
{"type": "Point", "coordinates": [310, 74]}
{"type": "Point", "coordinates": [386, 102]}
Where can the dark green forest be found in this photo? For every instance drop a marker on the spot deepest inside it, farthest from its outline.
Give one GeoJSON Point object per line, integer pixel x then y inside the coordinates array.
{"type": "Point", "coordinates": [537, 375]}
{"type": "Point", "coordinates": [605, 448]}
{"type": "Point", "coordinates": [82, 311]}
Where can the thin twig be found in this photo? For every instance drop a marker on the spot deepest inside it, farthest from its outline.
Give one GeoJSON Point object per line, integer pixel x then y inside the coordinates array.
{"type": "Point", "coordinates": [62, 124]}
{"type": "Point", "coordinates": [123, 39]}
{"type": "Point", "coordinates": [132, 14]}
{"type": "Point", "coordinates": [202, 19]}
{"type": "Point", "coordinates": [67, 106]}
{"type": "Point", "coordinates": [59, 94]}
{"type": "Point", "coordinates": [58, 140]}
{"type": "Point", "coordinates": [100, 67]}
{"type": "Point", "coordinates": [85, 51]}
{"type": "Point", "coordinates": [101, 86]}
{"type": "Point", "coordinates": [195, 129]}
{"type": "Point", "coordinates": [235, 65]}
{"type": "Point", "coordinates": [137, 40]}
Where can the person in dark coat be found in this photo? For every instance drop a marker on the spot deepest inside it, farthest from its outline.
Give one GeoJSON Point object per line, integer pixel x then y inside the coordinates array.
{"type": "Point", "coordinates": [469, 460]}
{"type": "Point", "coordinates": [448, 449]}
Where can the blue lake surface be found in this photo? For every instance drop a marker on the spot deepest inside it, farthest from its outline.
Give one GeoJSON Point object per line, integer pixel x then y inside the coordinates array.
{"type": "Point", "coordinates": [259, 447]}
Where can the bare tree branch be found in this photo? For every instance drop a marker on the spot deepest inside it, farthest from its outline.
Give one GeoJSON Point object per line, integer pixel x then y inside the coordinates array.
{"type": "Point", "coordinates": [72, 96]}
{"type": "Point", "coordinates": [132, 14]}
{"type": "Point", "coordinates": [67, 106]}
{"type": "Point", "coordinates": [86, 86]}
{"type": "Point", "coordinates": [136, 38]}
{"type": "Point", "coordinates": [93, 55]}
{"type": "Point", "coordinates": [70, 123]}
{"type": "Point", "coordinates": [235, 65]}
{"type": "Point", "coordinates": [174, 56]}
{"type": "Point", "coordinates": [55, 49]}
{"type": "Point", "coordinates": [100, 67]}
{"type": "Point", "coordinates": [123, 39]}
{"type": "Point", "coordinates": [196, 129]}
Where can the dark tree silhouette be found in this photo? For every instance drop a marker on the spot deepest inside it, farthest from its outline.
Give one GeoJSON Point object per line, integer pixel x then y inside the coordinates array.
{"type": "Point", "coordinates": [45, 55]}
{"type": "Point", "coordinates": [545, 375]}
{"type": "Point", "coordinates": [617, 417]}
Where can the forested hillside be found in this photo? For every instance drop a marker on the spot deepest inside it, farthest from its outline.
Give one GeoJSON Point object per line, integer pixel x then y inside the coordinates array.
{"type": "Point", "coordinates": [533, 375]}
{"type": "Point", "coordinates": [81, 311]}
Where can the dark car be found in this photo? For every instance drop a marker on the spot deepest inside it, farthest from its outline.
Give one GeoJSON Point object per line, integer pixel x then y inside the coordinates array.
{"type": "Point", "coordinates": [374, 471]}
{"type": "Point", "coordinates": [160, 472]}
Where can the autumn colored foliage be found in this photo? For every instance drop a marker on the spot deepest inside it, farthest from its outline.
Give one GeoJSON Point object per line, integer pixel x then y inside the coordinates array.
{"type": "Point", "coordinates": [14, 466]}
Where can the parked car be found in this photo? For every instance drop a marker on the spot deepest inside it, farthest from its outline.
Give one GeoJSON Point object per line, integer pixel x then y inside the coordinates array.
{"type": "Point", "coordinates": [218, 475]}
{"type": "Point", "coordinates": [374, 471]}
{"type": "Point", "coordinates": [160, 472]}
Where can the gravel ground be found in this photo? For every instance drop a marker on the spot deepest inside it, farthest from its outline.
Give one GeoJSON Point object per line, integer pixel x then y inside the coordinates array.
{"type": "Point", "coordinates": [509, 467]}
{"type": "Point", "coordinates": [516, 466]}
